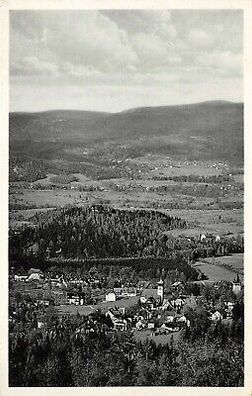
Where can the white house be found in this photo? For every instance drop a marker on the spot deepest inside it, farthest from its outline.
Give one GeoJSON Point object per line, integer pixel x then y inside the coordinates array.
{"type": "Point", "coordinates": [40, 324]}
{"type": "Point", "coordinates": [216, 316]}
{"type": "Point", "coordinates": [140, 324]}
{"type": "Point", "coordinates": [35, 276]}
{"type": "Point", "coordinates": [20, 278]}
{"type": "Point", "coordinates": [119, 324]}
{"type": "Point", "coordinates": [143, 299]}
{"type": "Point", "coordinates": [184, 320]}
{"type": "Point", "coordinates": [111, 296]}
{"type": "Point", "coordinates": [202, 238]}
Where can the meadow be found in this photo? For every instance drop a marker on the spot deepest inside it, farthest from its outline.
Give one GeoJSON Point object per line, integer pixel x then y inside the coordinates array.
{"type": "Point", "coordinates": [222, 268]}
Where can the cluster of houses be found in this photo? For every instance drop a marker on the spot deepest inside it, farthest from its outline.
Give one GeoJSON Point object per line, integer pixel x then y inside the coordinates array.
{"type": "Point", "coordinates": [34, 274]}
{"type": "Point", "coordinates": [165, 315]}
{"type": "Point", "coordinates": [153, 309]}
{"type": "Point", "coordinates": [159, 314]}
{"type": "Point", "coordinates": [59, 281]}
{"type": "Point", "coordinates": [121, 292]}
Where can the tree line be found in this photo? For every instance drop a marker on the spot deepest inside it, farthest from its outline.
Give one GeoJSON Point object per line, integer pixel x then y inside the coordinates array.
{"type": "Point", "coordinates": [196, 178]}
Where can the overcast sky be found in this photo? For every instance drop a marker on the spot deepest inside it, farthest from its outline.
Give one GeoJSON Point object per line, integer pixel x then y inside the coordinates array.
{"type": "Point", "coordinates": [115, 60]}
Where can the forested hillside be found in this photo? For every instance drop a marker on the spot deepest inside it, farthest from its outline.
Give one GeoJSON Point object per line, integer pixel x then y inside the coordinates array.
{"type": "Point", "coordinates": [96, 232]}
{"type": "Point", "coordinates": [210, 130]}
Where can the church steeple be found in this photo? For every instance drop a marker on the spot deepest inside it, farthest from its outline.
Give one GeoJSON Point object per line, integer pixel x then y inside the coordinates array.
{"type": "Point", "coordinates": [160, 290]}
{"type": "Point", "coordinates": [236, 285]}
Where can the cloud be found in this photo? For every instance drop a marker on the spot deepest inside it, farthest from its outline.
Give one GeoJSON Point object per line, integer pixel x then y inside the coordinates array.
{"type": "Point", "coordinates": [95, 43]}
{"type": "Point", "coordinates": [85, 39]}
{"type": "Point", "coordinates": [32, 65]}
{"type": "Point", "coordinates": [200, 38]}
{"type": "Point", "coordinates": [145, 21]}
{"type": "Point", "coordinates": [79, 71]}
{"type": "Point", "coordinates": [153, 51]}
{"type": "Point", "coordinates": [223, 62]}
{"type": "Point", "coordinates": [126, 48]}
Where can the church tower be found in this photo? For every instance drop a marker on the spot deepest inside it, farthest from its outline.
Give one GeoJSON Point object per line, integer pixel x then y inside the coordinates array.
{"type": "Point", "coordinates": [160, 290]}
{"type": "Point", "coordinates": [236, 285]}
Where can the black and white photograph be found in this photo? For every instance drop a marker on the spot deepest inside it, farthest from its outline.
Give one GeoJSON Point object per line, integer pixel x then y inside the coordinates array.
{"type": "Point", "coordinates": [126, 198]}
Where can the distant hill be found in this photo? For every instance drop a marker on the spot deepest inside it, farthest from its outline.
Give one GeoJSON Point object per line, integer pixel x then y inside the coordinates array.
{"type": "Point", "coordinates": [53, 125]}
{"type": "Point", "coordinates": [214, 129]}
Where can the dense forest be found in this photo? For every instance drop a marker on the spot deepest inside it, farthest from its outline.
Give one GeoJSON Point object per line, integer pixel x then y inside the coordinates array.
{"type": "Point", "coordinates": [77, 238]}
{"type": "Point", "coordinates": [99, 231]}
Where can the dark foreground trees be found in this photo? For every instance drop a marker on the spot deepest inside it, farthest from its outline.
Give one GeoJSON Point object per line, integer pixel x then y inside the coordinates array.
{"type": "Point", "coordinates": [86, 352]}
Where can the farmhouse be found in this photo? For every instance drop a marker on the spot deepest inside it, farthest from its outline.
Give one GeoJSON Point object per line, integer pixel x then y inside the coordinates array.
{"type": "Point", "coordinates": [111, 296]}
{"type": "Point", "coordinates": [216, 316]}
{"type": "Point", "coordinates": [203, 238]}
{"type": "Point", "coordinates": [75, 298]}
{"type": "Point", "coordinates": [35, 274]}
{"type": "Point", "coordinates": [20, 278]}
{"type": "Point", "coordinates": [119, 323]}
{"type": "Point", "coordinates": [229, 306]}
{"type": "Point", "coordinates": [140, 324]}
{"type": "Point", "coordinates": [125, 291]}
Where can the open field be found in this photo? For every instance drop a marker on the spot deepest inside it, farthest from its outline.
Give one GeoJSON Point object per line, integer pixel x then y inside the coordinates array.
{"type": "Point", "coordinates": [221, 222]}
{"type": "Point", "coordinates": [122, 171]}
{"type": "Point", "coordinates": [18, 218]}
{"type": "Point", "coordinates": [215, 272]}
{"type": "Point", "coordinates": [163, 165]}
{"type": "Point", "coordinates": [163, 339]}
{"type": "Point", "coordinates": [235, 261]}
{"type": "Point", "coordinates": [153, 142]}
{"type": "Point", "coordinates": [46, 181]}
{"type": "Point", "coordinates": [47, 198]}
{"type": "Point", "coordinates": [223, 229]}
{"type": "Point", "coordinates": [184, 169]}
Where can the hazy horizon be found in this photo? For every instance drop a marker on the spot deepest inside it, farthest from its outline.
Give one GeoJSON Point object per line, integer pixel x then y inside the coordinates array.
{"type": "Point", "coordinates": [131, 108]}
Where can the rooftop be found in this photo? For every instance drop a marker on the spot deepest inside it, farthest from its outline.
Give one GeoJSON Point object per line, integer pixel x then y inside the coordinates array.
{"type": "Point", "coordinates": [104, 306]}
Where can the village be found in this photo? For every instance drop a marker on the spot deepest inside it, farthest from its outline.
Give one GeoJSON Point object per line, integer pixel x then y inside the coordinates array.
{"type": "Point", "coordinates": [146, 308]}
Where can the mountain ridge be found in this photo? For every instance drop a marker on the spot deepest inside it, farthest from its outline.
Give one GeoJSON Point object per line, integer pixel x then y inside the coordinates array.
{"type": "Point", "coordinates": [130, 109]}
{"type": "Point", "coordinates": [217, 125]}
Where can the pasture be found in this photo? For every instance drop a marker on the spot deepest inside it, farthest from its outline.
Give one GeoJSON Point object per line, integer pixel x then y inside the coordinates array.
{"type": "Point", "coordinates": [216, 272]}
{"type": "Point", "coordinates": [162, 339]}
{"type": "Point", "coordinates": [46, 181]}
{"type": "Point", "coordinates": [236, 261]}
{"type": "Point", "coordinates": [221, 222]}
{"type": "Point", "coordinates": [161, 165]}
